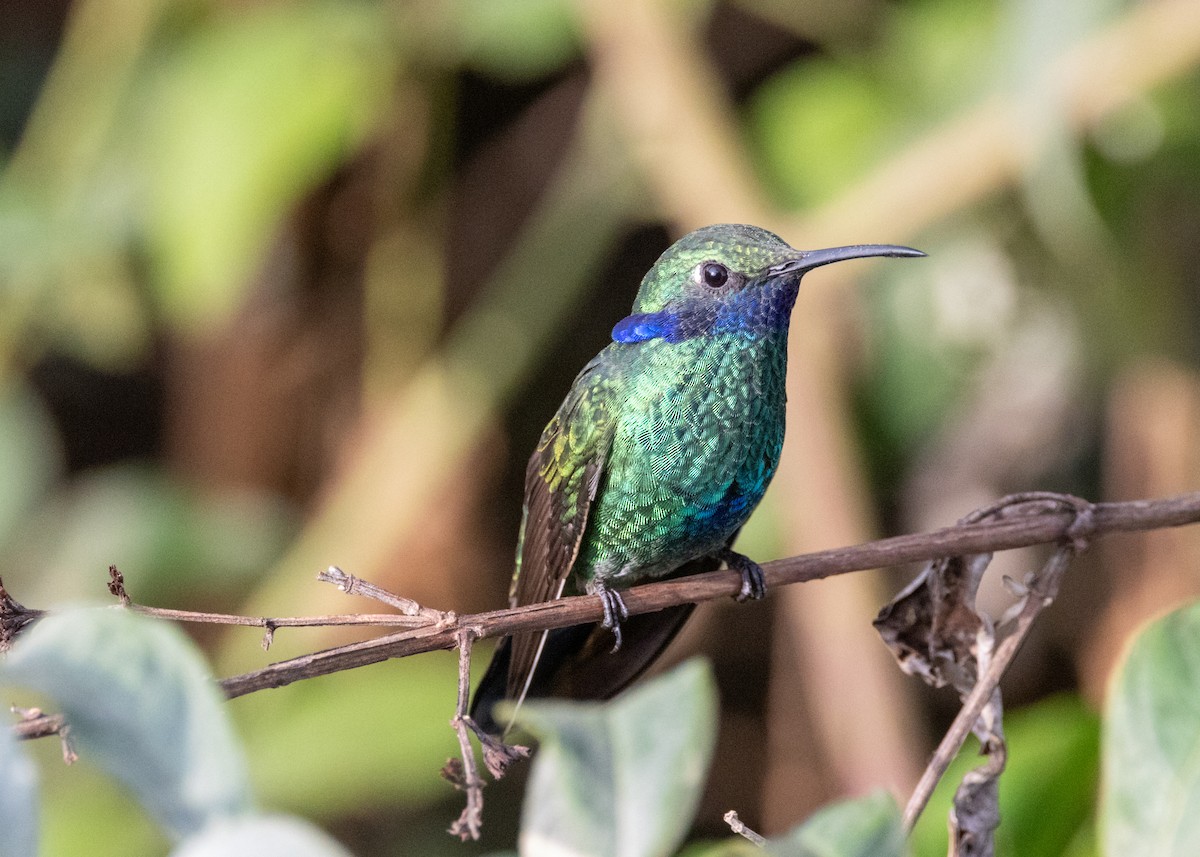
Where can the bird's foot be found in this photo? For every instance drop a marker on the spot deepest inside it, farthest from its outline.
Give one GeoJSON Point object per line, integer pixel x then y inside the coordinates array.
{"type": "Point", "coordinates": [615, 612]}
{"type": "Point", "coordinates": [754, 584]}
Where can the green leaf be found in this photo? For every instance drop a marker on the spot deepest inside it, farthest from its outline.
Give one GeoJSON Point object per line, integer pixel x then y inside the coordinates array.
{"type": "Point", "coordinates": [18, 799]}
{"type": "Point", "coordinates": [141, 705]}
{"type": "Point", "coordinates": [259, 835]}
{"type": "Point", "coordinates": [516, 39]}
{"type": "Point", "coordinates": [85, 812]}
{"type": "Point", "coordinates": [242, 121]}
{"type": "Point", "coordinates": [793, 117]}
{"type": "Point", "coordinates": [387, 762]}
{"type": "Point", "coordinates": [169, 540]}
{"type": "Point", "coordinates": [622, 778]}
{"type": "Point", "coordinates": [866, 827]}
{"type": "Point", "coordinates": [29, 456]}
{"type": "Point", "coordinates": [1151, 744]}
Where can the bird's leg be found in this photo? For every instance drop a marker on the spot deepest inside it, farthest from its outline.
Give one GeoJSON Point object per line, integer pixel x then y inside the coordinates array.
{"type": "Point", "coordinates": [754, 585]}
{"type": "Point", "coordinates": [615, 611]}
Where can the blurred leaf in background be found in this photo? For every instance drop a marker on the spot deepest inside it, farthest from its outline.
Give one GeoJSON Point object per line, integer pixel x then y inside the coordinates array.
{"type": "Point", "coordinates": [236, 123]}
{"type": "Point", "coordinates": [1048, 789]}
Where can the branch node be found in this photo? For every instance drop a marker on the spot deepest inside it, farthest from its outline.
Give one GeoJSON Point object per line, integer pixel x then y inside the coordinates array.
{"type": "Point", "coordinates": [116, 586]}
{"type": "Point", "coordinates": [14, 616]}
{"type": "Point", "coordinates": [352, 585]}
{"type": "Point", "coordinates": [1080, 532]}
{"type": "Point", "coordinates": [739, 827]}
{"type": "Point", "coordinates": [35, 723]}
{"type": "Point", "coordinates": [70, 757]}
{"type": "Point", "coordinates": [268, 634]}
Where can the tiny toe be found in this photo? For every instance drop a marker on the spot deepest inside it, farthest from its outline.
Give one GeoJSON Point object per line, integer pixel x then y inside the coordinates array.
{"type": "Point", "coordinates": [616, 632]}
{"type": "Point", "coordinates": [614, 612]}
{"type": "Point", "coordinates": [754, 584]}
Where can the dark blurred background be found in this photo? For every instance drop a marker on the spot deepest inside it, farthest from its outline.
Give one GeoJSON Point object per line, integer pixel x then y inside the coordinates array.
{"type": "Point", "coordinates": [291, 284]}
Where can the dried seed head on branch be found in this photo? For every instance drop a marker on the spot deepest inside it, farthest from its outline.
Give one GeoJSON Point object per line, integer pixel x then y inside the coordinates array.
{"type": "Point", "coordinates": [936, 632]}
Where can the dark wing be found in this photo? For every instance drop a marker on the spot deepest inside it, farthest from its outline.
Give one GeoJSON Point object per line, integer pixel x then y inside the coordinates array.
{"type": "Point", "coordinates": [561, 482]}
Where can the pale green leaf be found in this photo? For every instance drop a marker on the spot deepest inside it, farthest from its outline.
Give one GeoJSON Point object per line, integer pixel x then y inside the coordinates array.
{"type": "Point", "coordinates": [734, 846]}
{"type": "Point", "coordinates": [141, 705]}
{"type": "Point", "coordinates": [261, 836]}
{"type": "Point", "coordinates": [622, 778]}
{"type": "Point", "coordinates": [866, 827]}
{"type": "Point", "coordinates": [1151, 744]}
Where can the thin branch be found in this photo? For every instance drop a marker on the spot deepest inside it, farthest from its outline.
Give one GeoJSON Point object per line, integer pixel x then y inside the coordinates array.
{"type": "Point", "coordinates": [380, 620]}
{"type": "Point", "coordinates": [352, 585]}
{"type": "Point", "coordinates": [1003, 533]}
{"type": "Point", "coordinates": [413, 614]}
{"type": "Point", "coordinates": [497, 756]}
{"type": "Point", "coordinates": [1019, 530]}
{"type": "Point", "coordinates": [464, 774]}
{"type": "Point", "coordinates": [34, 723]}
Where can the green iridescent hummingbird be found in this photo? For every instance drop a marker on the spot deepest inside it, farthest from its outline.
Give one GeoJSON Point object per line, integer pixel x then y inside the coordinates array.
{"type": "Point", "coordinates": [662, 448]}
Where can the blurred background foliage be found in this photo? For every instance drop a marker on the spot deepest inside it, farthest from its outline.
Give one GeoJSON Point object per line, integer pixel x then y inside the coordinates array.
{"type": "Point", "coordinates": [286, 284]}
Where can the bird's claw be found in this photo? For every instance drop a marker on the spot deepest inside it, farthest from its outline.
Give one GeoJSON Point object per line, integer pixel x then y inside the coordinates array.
{"type": "Point", "coordinates": [754, 583]}
{"type": "Point", "coordinates": [615, 612]}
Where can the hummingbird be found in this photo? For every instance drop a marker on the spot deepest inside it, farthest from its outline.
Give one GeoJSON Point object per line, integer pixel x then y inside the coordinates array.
{"type": "Point", "coordinates": [660, 451]}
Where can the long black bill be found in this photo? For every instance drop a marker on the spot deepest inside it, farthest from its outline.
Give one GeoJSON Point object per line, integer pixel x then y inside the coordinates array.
{"type": "Point", "coordinates": [816, 258]}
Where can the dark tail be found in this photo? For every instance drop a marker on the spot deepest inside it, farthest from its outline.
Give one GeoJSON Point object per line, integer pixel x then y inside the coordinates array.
{"type": "Point", "coordinates": [578, 663]}
{"type": "Point", "coordinates": [491, 690]}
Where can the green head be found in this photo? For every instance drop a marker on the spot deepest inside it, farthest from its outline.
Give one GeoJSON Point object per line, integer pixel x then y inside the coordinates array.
{"type": "Point", "coordinates": [716, 261]}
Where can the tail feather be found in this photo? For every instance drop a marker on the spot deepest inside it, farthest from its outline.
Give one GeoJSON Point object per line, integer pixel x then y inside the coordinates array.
{"type": "Point", "coordinates": [491, 689]}
{"type": "Point", "coordinates": [577, 663]}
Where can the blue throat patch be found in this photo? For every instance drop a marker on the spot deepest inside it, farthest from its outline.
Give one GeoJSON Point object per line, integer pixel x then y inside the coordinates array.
{"type": "Point", "coordinates": [752, 314]}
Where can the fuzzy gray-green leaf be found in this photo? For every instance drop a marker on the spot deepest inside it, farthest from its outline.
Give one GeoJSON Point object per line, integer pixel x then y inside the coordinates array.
{"type": "Point", "coordinates": [622, 778]}
{"type": "Point", "coordinates": [140, 704]}
{"type": "Point", "coordinates": [1151, 744]}
{"type": "Point", "coordinates": [18, 799]}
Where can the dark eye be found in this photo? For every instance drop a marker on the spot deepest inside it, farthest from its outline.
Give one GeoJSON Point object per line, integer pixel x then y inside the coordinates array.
{"type": "Point", "coordinates": [714, 274]}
